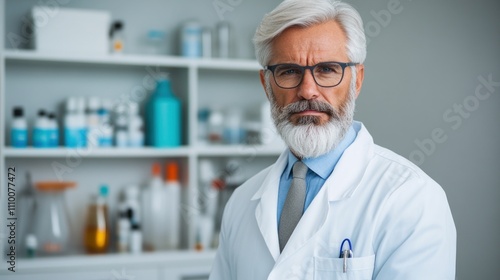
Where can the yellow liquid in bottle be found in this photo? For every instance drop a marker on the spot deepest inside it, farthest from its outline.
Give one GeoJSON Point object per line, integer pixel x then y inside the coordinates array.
{"type": "Point", "coordinates": [96, 235]}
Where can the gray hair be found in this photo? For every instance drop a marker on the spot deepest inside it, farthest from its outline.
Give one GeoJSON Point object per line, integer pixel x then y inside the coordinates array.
{"type": "Point", "coordinates": [307, 13]}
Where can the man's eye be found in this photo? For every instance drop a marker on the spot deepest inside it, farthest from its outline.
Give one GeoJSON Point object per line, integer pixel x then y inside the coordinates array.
{"type": "Point", "coordinates": [334, 69]}
{"type": "Point", "coordinates": [288, 71]}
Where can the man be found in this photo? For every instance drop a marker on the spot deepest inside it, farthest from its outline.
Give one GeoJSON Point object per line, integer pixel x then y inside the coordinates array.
{"type": "Point", "coordinates": [361, 212]}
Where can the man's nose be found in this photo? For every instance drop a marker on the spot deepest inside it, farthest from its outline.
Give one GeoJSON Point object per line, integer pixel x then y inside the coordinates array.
{"type": "Point", "coordinates": [308, 89]}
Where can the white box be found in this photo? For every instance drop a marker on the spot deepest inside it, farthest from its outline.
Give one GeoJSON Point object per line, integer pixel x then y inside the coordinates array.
{"type": "Point", "coordinates": [70, 30]}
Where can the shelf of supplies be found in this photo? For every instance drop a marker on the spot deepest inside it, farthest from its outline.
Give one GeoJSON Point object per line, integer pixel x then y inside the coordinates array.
{"type": "Point", "coordinates": [166, 259]}
{"type": "Point", "coordinates": [134, 60]}
{"type": "Point", "coordinates": [95, 152]}
{"type": "Point", "coordinates": [239, 150]}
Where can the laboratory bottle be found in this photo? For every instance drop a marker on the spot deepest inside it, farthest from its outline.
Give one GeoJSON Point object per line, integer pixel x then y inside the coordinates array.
{"type": "Point", "coordinates": [154, 210]}
{"type": "Point", "coordinates": [132, 204]}
{"type": "Point", "coordinates": [123, 228]}
{"type": "Point", "coordinates": [105, 127]}
{"type": "Point", "coordinates": [19, 129]}
{"type": "Point", "coordinates": [51, 224]}
{"type": "Point", "coordinates": [121, 121]}
{"type": "Point", "coordinates": [135, 126]}
{"type": "Point", "coordinates": [191, 34]}
{"type": "Point", "coordinates": [41, 130]}
{"type": "Point", "coordinates": [215, 127]}
{"type": "Point", "coordinates": [135, 242]}
{"type": "Point", "coordinates": [81, 122]}
{"type": "Point", "coordinates": [96, 235]}
{"type": "Point", "coordinates": [164, 117]}
{"type": "Point", "coordinates": [233, 127]}
{"type": "Point", "coordinates": [117, 38]}
{"type": "Point", "coordinates": [71, 129]}
{"type": "Point", "coordinates": [53, 131]}
{"type": "Point", "coordinates": [173, 188]}
{"type": "Point", "coordinates": [92, 120]}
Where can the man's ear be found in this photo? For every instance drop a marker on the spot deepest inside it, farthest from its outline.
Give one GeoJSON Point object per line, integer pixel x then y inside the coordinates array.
{"type": "Point", "coordinates": [263, 82]}
{"type": "Point", "coordinates": [360, 76]}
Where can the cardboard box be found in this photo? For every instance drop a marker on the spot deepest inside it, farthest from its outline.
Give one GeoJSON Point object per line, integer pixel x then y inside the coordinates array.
{"type": "Point", "coordinates": [70, 30]}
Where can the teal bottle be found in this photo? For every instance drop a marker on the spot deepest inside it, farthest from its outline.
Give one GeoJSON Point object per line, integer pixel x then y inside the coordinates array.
{"type": "Point", "coordinates": [163, 123]}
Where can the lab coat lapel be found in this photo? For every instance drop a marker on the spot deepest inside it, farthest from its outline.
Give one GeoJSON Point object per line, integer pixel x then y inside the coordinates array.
{"type": "Point", "coordinates": [266, 210]}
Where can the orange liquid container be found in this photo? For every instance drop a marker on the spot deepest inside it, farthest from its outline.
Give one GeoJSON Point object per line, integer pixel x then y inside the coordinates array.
{"type": "Point", "coordinates": [96, 233]}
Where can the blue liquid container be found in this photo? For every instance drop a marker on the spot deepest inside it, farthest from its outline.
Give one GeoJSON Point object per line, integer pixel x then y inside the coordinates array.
{"type": "Point", "coordinates": [163, 123]}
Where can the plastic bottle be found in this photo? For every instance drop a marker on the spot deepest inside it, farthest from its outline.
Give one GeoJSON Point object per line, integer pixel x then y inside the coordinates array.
{"type": "Point", "coordinates": [117, 38]}
{"type": "Point", "coordinates": [105, 127]}
{"type": "Point", "coordinates": [123, 228]}
{"type": "Point", "coordinates": [19, 129]}
{"type": "Point", "coordinates": [81, 122]}
{"type": "Point", "coordinates": [233, 127]}
{"type": "Point", "coordinates": [40, 131]}
{"type": "Point", "coordinates": [132, 204]}
{"type": "Point", "coordinates": [135, 126]}
{"type": "Point", "coordinates": [135, 239]}
{"type": "Point", "coordinates": [121, 120]}
{"type": "Point", "coordinates": [71, 129]}
{"type": "Point", "coordinates": [173, 189]}
{"type": "Point", "coordinates": [191, 39]}
{"type": "Point", "coordinates": [215, 127]}
{"type": "Point", "coordinates": [92, 121]}
{"type": "Point", "coordinates": [53, 131]}
{"type": "Point", "coordinates": [154, 210]}
{"type": "Point", "coordinates": [164, 117]}
{"type": "Point", "coordinates": [96, 237]}
{"type": "Point", "coordinates": [223, 39]}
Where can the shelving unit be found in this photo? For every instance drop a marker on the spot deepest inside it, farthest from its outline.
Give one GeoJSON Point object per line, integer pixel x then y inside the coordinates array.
{"type": "Point", "coordinates": [43, 80]}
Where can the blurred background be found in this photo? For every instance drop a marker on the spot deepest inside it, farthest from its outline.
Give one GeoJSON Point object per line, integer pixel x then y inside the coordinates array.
{"type": "Point", "coordinates": [90, 176]}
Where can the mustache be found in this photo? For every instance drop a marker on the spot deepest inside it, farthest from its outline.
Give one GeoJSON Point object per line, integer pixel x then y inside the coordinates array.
{"type": "Point", "coordinates": [305, 105]}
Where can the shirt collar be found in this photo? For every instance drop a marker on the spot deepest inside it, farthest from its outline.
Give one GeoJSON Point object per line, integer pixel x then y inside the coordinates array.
{"type": "Point", "coordinates": [324, 164]}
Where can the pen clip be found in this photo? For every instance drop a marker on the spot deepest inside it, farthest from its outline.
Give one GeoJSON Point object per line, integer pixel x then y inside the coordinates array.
{"type": "Point", "coordinates": [345, 254]}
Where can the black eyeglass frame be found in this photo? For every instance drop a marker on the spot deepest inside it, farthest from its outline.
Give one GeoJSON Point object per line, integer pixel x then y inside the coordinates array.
{"type": "Point", "coordinates": [342, 64]}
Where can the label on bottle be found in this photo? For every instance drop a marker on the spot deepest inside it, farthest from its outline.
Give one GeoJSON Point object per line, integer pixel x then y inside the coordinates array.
{"type": "Point", "coordinates": [19, 138]}
{"type": "Point", "coordinates": [75, 138]}
{"type": "Point", "coordinates": [53, 137]}
{"type": "Point", "coordinates": [40, 138]}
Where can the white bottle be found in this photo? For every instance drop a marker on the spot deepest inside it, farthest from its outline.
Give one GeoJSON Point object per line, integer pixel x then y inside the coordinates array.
{"type": "Point", "coordinates": [19, 129]}
{"type": "Point", "coordinates": [173, 188]}
{"type": "Point", "coordinates": [105, 127]}
{"type": "Point", "coordinates": [81, 121]}
{"type": "Point", "coordinates": [92, 121]}
{"type": "Point", "coordinates": [53, 131]}
{"type": "Point", "coordinates": [135, 128]}
{"type": "Point", "coordinates": [154, 205]}
{"type": "Point", "coordinates": [41, 130]}
{"type": "Point", "coordinates": [123, 228]}
{"type": "Point", "coordinates": [121, 121]}
{"type": "Point", "coordinates": [71, 128]}
{"type": "Point", "coordinates": [135, 243]}
{"type": "Point", "coordinates": [132, 204]}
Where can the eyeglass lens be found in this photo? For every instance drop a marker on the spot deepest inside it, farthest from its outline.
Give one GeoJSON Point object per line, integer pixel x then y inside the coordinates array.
{"type": "Point", "coordinates": [325, 74]}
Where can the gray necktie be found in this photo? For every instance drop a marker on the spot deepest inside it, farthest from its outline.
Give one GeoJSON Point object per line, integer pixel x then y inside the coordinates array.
{"type": "Point", "coordinates": [294, 204]}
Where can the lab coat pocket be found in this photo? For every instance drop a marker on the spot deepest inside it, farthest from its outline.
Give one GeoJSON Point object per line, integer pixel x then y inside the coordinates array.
{"type": "Point", "coordinates": [333, 268]}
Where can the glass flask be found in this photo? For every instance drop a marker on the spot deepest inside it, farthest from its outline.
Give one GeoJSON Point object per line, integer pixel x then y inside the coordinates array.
{"type": "Point", "coordinates": [51, 221]}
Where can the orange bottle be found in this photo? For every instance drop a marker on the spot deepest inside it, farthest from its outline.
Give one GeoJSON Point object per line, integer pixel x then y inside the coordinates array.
{"type": "Point", "coordinates": [96, 235]}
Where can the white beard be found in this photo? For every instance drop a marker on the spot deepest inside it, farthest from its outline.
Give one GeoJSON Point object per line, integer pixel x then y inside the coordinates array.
{"type": "Point", "coordinates": [307, 138]}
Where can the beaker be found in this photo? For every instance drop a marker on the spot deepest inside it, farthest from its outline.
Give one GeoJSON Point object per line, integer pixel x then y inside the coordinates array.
{"type": "Point", "coordinates": [51, 221]}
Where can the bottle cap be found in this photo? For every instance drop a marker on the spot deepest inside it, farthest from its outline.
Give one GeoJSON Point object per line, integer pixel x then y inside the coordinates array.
{"type": "Point", "coordinates": [156, 169]}
{"type": "Point", "coordinates": [52, 116]}
{"type": "Point", "coordinates": [41, 113]}
{"type": "Point", "coordinates": [172, 172]}
{"type": "Point", "coordinates": [71, 104]}
{"type": "Point", "coordinates": [18, 111]}
{"type": "Point", "coordinates": [93, 103]}
{"type": "Point", "coordinates": [103, 190]}
{"type": "Point", "coordinates": [31, 241]}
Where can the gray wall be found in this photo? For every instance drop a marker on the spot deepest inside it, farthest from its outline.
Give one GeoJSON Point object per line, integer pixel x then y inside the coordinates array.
{"type": "Point", "coordinates": [423, 67]}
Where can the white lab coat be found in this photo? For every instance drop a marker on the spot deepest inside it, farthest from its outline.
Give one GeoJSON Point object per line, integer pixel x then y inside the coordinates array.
{"type": "Point", "coordinates": [396, 216]}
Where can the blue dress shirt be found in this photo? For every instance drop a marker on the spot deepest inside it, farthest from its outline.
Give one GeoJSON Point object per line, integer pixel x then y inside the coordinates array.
{"type": "Point", "coordinates": [319, 169]}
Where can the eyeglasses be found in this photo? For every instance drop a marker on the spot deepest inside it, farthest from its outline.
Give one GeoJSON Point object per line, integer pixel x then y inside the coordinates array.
{"type": "Point", "coordinates": [325, 74]}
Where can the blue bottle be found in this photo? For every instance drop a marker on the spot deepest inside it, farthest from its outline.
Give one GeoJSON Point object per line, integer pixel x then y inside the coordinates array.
{"type": "Point", "coordinates": [163, 122]}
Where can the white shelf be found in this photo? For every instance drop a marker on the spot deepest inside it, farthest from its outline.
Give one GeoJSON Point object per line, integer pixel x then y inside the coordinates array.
{"type": "Point", "coordinates": [31, 152]}
{"type": "Point", "coordinates": [167, 259]}
{"type": "Point", "coordinates": [134, 60]}
{"type": "Point", "coordinates": [239, 150]}
{"type": "Point", "coordinates": [207, 150]}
